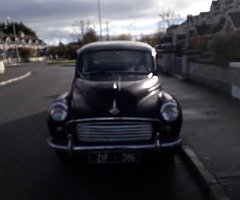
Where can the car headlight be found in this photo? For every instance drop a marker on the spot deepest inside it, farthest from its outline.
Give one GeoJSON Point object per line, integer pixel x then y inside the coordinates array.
{"type": "Point", "coordinates": [169, 111]}
{"type": "Point", "coordinates": [58, 111]}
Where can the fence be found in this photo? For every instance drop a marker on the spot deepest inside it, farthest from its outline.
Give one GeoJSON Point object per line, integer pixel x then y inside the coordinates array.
{"type": "Point", "coordinates": [170, 64]}
{"type": "Point", "coordinates": [224, 78]}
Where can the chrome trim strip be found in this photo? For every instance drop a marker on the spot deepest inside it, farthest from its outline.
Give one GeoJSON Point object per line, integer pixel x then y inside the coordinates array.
{"type": "Point", "coordinates": [114, 110]}
{"type": "Point", "coordinates": [155, 146]}
{"type": "Point", "coordinates": [171, 144]}
{"type": "Point", "coordinates": [113, 118]}
{"type": "Point", "coordinates": [115, 147]}
{"type": "Point", "coordinates": [100, 147]}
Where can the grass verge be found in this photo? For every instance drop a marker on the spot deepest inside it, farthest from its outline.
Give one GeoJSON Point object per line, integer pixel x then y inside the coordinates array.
{"type": "Point", "coordinates": [61, 62]}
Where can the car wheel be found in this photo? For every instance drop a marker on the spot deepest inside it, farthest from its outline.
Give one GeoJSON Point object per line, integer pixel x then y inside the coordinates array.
{"type": "Point", "coordinates": [63, 157]}
{"type": "Point", "coordinates": [167, 158]}
{"type": "Point", "coordinates": [70, 160]}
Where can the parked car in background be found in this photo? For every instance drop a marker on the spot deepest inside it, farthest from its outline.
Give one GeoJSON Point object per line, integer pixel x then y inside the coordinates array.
{"type": "Point", "coordinates": [116, 110]}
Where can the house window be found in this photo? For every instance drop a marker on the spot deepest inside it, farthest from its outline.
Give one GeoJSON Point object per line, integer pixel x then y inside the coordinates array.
{"type": "Point", "coordinates": [23, 42]}
{"type": "Point", "coordinates": [17, 41]}
{"type": "Point", "coordinates": [30, 42]}
{"type": "Point", "coordinates": [191, 33]}
{"type": "Point", "coordinates": [8, 40]}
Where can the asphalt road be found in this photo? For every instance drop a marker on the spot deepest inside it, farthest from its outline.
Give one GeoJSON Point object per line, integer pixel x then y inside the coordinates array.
{"type": "Point", "coordinates": [30, 170]}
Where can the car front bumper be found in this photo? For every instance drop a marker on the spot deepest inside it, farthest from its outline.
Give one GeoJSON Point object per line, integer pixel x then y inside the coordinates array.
{"type": "Point", "coordinates": [157, 146]}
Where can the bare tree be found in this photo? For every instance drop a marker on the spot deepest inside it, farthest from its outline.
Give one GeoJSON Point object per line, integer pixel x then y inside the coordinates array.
{"type": "Point", "coordinates": [169, 18]}
{"type": "Point", "coordinates": [84, 27]}
{"type": "Point", "coordinates": [80, 28]}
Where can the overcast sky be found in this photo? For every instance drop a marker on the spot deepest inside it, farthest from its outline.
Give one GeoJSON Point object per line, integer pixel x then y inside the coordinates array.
{"type": "Point", "coordinates": [53, 20]}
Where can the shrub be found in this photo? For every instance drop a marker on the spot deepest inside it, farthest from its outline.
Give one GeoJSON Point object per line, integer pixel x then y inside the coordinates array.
{"type": "Point", "coordinates": [26, 53]}
{"type": "Point", "coordinates": [202, 47]}
{"type": "Point", "coordinates": [72, 51]}
{"type": "Point", "coordinates": [225, 47]}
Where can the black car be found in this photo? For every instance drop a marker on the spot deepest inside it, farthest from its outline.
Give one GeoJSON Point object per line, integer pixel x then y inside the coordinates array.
{"type": "Point", "coordinates": [116, 110]}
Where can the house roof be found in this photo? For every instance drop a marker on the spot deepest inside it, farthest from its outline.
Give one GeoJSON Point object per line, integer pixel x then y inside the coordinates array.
{"type": "Point", "coordinates": [26, 37]}
{"type": "Point", "coordinates": [204, 13]}
{"type": "Point", "coordinates": [235, 17]}
{"type": "Point", "coordinates": [203, 29]}
{"type": "Point", "coordinates": [207, 29]}
{"type": "Point", "coordinates": [215, 28]}
{"type": "Point", "coordinates": [172, 27]}
{"type": "Point", "coordinates": [215, 3]}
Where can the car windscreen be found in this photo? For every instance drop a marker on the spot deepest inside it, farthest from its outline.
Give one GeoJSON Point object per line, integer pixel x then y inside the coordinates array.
{"type": "Point", "coordinates": [116, 61]}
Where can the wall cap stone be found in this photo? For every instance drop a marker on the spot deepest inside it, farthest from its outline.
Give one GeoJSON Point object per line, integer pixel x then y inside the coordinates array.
{"type": "Point", "coordinates": [234, 64]}
{"type": "Point", "coordinates": [2, 67]}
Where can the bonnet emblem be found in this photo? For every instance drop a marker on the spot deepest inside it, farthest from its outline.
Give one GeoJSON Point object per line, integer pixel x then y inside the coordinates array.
{"type": "Point", "coordinates": [114, 110]}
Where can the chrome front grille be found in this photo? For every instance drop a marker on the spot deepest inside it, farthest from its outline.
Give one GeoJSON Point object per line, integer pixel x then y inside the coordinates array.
{"type": "Point", "coordinates": [114, 131]}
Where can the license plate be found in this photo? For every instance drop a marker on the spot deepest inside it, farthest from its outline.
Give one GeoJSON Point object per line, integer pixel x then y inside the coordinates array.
{"type": "Point", "coordinates": [114, 157]}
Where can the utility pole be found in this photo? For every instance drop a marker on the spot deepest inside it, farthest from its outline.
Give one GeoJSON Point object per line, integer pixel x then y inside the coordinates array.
{"type": "Point", "coordinates": [15, 36]}
{"type": "Point", "coordinates": [3, 42]}
{"type": "Point", "coordinates": [107, 29]}
{"type": "Point", "coordinates": [100, 18]}
{"type": "Point", "coordinates": [14, 33]}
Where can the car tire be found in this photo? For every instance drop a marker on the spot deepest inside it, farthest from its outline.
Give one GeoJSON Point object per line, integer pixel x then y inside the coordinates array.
{"type": "Point", "coordinates": [70, 160]}
{"type": "Point", "coordinates": [167, 158]}
{"type": "Point", "coordinates": [64, 157]}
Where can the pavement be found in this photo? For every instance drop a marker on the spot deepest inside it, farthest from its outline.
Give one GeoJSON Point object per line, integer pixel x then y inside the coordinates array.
{"type": "Point", "coordinates": [211, 133]}
{"type": "Point", "coordinates": [211, 136]}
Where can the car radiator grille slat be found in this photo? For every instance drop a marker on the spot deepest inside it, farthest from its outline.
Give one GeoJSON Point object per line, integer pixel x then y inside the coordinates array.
{"type": "Point", "coordinates": [114, 131]}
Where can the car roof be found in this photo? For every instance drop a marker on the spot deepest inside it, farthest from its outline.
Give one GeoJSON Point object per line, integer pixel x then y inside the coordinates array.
{"type": "Point", "coordinates": [111, 45]}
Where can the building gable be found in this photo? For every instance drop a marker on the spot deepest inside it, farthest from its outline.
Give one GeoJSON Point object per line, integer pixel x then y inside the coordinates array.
{"type": "Point", "coordinates": [233, 23]}
{"type": "Point", "coordinates": [229, 28]}
{"type": "Point", "coordinates": [235, 18]}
